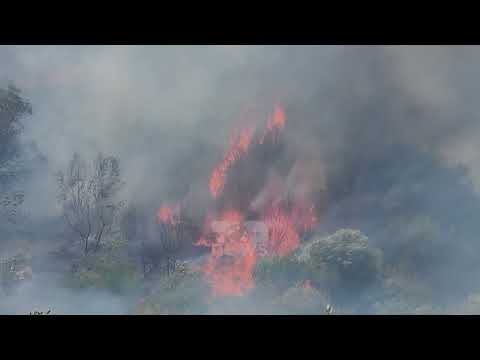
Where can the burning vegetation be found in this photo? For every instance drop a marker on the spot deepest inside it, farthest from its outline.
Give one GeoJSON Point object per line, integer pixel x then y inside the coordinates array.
{"type": "Point", "coordinates": [231, 226]}
{"type": "Point", "coordinates": [345, 197]}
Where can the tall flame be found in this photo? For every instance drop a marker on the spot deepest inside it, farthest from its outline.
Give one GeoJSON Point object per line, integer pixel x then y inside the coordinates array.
{"type": "Point", "coordinates": [233, 249]}
{"type": "Point", "coordinates": [282, 234]}
{"type": "Point", "coordinates": [239, 145]}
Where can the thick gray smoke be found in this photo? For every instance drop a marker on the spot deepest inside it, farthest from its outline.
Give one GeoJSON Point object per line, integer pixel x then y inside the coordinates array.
{"type": "Point", "coordinates": [166, 112]}
{"type": "Point", "coordinates": [149, 105]}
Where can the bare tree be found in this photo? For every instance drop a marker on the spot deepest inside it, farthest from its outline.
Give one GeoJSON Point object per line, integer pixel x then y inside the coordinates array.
{"type": "Point", "coordinates": [129, 223]}
{"type": "Point", "coordinates": [171, 237]}
{"type": "Point", "coordinates": [158, 244]}
{"type": "Point", "coordinates": [88, 193]}
{"type": "Point", "coordinates": [163, 246]}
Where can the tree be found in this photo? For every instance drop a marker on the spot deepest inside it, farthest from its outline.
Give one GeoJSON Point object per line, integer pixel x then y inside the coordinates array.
{"type": "Point", "coordinates": [303, 299]}
{"type": "Point", "coordinates": [87, 193]}
{"type": "Point", "coordinates": [165, 248]}
{"type": "Point", "coordinates": [280, 272]}
{"type": "Point", "coordinates": [344, 263]}
{"type": "Point", "coordinates": [13, 108]}
{"type": "Point", "coordinates": [130, 223]}
{"type": "Point", "coordinates": [171, 237]}
{"type": "Point", "coordinates": [10, 204]}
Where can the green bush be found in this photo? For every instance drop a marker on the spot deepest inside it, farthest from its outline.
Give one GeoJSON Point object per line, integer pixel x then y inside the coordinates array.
{"type": "Point", "coordinates": [279, 273]}
{"type": "Point", "coordinates": [300, 300]}
{"type": "Point", "coordinates": [342, 263]}
{"type": "Point", "coordinates": [8, 269]}
{"type": "Point", "coordinates": [470, 306]}
{"type": "Point", "coordinates": [109, 270]}
{"type": "Point", "coordinates": [181, 293]}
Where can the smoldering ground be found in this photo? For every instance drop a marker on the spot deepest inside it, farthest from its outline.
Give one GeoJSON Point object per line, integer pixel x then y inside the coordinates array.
{"type": "Point", "coordinates": [380, 130]}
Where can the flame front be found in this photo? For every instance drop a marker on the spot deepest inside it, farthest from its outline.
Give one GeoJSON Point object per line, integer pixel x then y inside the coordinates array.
{"type": "Point", "coordinates": [233, 249]}
{"type": "Point", "coordinates": [229, 268]}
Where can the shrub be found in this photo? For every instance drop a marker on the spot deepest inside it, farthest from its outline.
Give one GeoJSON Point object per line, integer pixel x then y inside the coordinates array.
{"type": "Point", "coordinates": [181, 293]}
{"type": "Point", "coordinates": [109, 270]}
{"type": "Point", "coordinates": [280, 272]}
{"type": "Point", "coordinates": [301, 299]}
{"type": "Point", "coordinates": [342, 263]}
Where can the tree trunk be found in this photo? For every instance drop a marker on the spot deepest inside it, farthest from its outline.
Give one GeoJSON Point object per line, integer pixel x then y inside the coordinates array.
{"type": "Point", "coordinates": [86, 246]}
{"type": "Point", "coordinates": [99, 238]}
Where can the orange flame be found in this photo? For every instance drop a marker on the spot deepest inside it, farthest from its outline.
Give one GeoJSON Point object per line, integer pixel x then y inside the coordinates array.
{"type": "Point", "coordinates": [238, 146]}
{"type": "Point", "coordinates": [166, 215]}
{"type": "Point", "coordinates": [232, 216]}
{"type": "Point", "coordinates": [233, 250]}
{"type": "Point", "coordinates": [283, 237]}
{"type": "Point", "coordinates": [229, 268]}
{"type": "Point", "coordinates": [304, 216]}
{"type": "Point", "coordinates": [233, 253]}
{"type": "Point", "coordinates": [275, 123]}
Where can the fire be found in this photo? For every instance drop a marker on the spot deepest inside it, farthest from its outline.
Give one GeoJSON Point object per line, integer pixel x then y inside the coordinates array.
{"type": "Point", "coordinates": [233, 253]}
{"type": "Point", "coordinates": [304, 216]}
{"type": "Point", "coordinates": [282, 234]}
{"type": "Point", "coordinates": [229, 268]}
{"type": "Point", "coordinates": [233, 249]}
{"type": "Point", "coordinates": [231, 216]}
{"type": "Point", "coordinates": [166, 215]}
{"type": "Point", "coordinates": [239, 145]}
{"type": "Point", "coordinates": [285, 223]}
{"type": "Point", "coordinates": [275, 123]}
{"type": "Point", "coordinates": [217, 180]}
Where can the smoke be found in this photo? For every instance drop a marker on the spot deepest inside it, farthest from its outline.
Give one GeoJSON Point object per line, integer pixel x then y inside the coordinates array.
{"type": "Point", "coordinates": [165, 112]}
{"type": "Point", "coordinates": [46, 293]}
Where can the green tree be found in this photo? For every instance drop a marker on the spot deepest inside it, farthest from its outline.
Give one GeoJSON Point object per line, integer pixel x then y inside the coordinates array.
{"type": "Point", "coordinates": [343, 263]}
{"type": "Point", "coordinates": [13, 108]}
{"type": "Point", "coordinates": [280, 272]}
